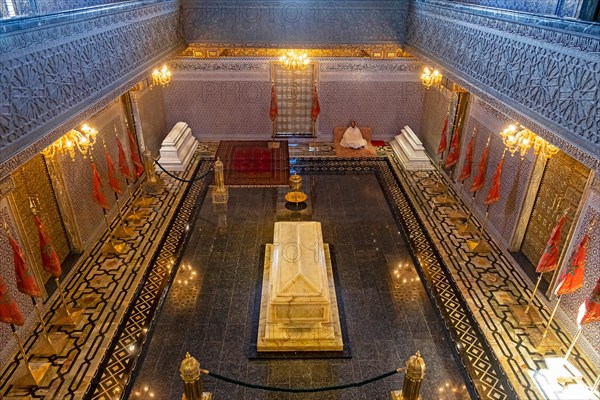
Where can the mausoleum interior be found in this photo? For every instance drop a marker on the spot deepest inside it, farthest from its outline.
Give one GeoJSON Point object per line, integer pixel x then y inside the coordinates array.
{"type": "Point", "coordinates": [187, 211]}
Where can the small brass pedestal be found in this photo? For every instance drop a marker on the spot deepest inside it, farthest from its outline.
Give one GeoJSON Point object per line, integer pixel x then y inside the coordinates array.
{"type": "Point", "coordinates": [51, 345]}
{"type": "Point", "coordinates": [532, 317]}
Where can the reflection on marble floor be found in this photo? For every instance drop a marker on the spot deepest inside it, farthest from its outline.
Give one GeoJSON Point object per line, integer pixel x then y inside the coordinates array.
{"type": "Point", "coordinates": [210, 307]}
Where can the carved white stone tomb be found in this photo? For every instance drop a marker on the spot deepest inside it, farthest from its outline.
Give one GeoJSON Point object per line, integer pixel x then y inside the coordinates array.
{"type": "Point", "coordinates": [177, 148]}
{"type": "Point", "coordinates": [410, 151]}
{"type": "Point", "coordinates": [299, 309]}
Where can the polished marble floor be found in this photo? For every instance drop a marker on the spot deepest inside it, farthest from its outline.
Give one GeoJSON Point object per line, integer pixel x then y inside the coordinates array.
{"type": "Point", "coordinates": [210, 306]}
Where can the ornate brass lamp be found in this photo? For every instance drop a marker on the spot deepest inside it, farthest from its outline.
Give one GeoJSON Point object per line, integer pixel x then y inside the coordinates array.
{"type": "Point", "coordinates": [522, 139]}
{"type": "Point", "coordinates": [293, 60]}
{"type": "Point", "coordinates": [82, 140]}
{"type": "Point", "coordinates": [161, 76]}
{"type": "Point", "coordinates": [431, 77]}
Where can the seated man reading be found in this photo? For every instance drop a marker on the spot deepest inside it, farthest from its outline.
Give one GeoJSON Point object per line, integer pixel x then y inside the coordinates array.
{"type": "Point", "coordinates": [353, 138]}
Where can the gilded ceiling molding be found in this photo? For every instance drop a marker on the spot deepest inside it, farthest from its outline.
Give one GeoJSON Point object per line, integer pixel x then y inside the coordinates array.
{"type": "Point", "coordinates": [383, 51]}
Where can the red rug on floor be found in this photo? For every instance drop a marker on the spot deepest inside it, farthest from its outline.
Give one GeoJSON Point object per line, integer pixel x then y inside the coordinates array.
{"type": "Point", "coordinates": [264, 163]}
{"type": "Point", "coordinates": [378, 143]}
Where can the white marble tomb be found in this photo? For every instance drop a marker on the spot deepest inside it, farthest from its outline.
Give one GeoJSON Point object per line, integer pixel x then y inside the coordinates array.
{"type": "Point", "coordinates": [298, 305]}
{"type": "Point", "coordinates": [410, 151]}
{"type": "Point", "coordinates": [177, 148]}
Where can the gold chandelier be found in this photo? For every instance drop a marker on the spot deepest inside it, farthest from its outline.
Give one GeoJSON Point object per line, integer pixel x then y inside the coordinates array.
{"type": "Point", "coordinates": [522, 139]}
{"type": "Point", "coordinates": [161, 76]}
{"type": "Point", "coordinates": [82, 140]}
{"type": "Point", "coordinates": [292, 60]}
{"type": "Point", "coordinates": [431, 77]}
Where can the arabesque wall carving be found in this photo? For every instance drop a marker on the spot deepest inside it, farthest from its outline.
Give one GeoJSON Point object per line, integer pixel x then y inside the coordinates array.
{"type": "Point", "coordinates": [51, 74]}
{"type": "Point", "coordinates": [551, 77]}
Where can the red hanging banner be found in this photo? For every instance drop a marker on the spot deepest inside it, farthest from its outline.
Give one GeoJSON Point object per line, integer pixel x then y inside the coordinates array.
{"type": "Point", "coordinates": [9, 311]}
{"type": "Point", "coordinates": [25, 280]}
{"type": "Point", "coordinates": [453, 154]}
{"type": "Point", "coordinates": [113, 181]}
{"type": "Point", "coordinates": [572, 278]}
{"type": "Point", "coordinates": [589, 311]}
{"type": "Point", "coordinates": [479, 180]}
{"type": "Point", "coordinates": [50, 260]}
{"type": "Point", "coordinates": [98, 195]}
{"type": "Point", "coordinates": [493, 195]}
{"type": "Point", "coordinates": [135, 156]}
{"type": "Point", "coordinates": [273, 109]}
{"type": "Point", "coordinates": [316, 107]}
{"type": "Point", "coordinates": [549, 259]}
{"type": "Point", "coordinates": [465, 172]}
{"type": "Point", "coordinates": [443, 138]}
{"type": "Point", "coordinates": [123, 165]}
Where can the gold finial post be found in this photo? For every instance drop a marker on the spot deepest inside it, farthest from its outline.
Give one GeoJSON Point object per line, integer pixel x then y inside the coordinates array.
{"type": "Point", "coordinates": [413, 377]}
{"type": "Point", "coordinates": [190, 374]}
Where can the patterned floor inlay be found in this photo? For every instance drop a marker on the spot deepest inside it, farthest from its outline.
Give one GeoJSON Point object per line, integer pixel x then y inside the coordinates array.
{"type": "Point", "coordinates": [491, 285]}
{"type": "Point", "coordinates": [104, 284]}
{"type": "Point", "coordinates": [474, 294]}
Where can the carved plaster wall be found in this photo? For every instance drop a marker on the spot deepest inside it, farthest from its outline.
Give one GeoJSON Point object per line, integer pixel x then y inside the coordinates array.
{"type": "Point", "coordinates": [545, 78]}
{"type": "Point", "coordinates": [57, 74]}
{"type": "Point", "coordinates": [78, 174]}
{"type": "Point", "coordinates": [152, 116]}
{"type": "Point", "coordinates": [229, 99]}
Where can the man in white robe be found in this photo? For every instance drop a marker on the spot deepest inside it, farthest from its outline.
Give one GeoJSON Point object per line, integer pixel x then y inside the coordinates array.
{"type": "Point", "coordinates": [353, 138]}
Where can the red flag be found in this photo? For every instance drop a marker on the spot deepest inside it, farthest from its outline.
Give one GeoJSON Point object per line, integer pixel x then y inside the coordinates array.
{"type": "Point", "coordinates": [572, 277]}
{"type": "Point", "coordinates": [465, 172]}
{"type": "Point", "coordinates": [137, 162]}
{"type": "Point", "coordinates": [589, 311]}
{"type": "Point", "coordinates": [115, 185]}
{"type": "Point", "coordinates": [9, 311]}
{"type": "Point", "coordinates": [443, 139]}
{"type": "Point", "coordinates": [97, 189]}
{"type": "Point", "coordinates": [25, 280]}
{"type": "Point", "coordinates": [273, 111]}
{"type": "Point", "coordinates": [123, 166]}
{"type": "Point", "coordinates": [494, 193]}
{"type": "Point", "coordinates": [479, 180]}
{"type": "Point", "coordinates": [549, 259]}
{"type": "Point", "coordinates": [453, 154]}
{"type": "Point", "coordinates": [50, 260]}
{"type": "Point", "coordinates": [316, 107]}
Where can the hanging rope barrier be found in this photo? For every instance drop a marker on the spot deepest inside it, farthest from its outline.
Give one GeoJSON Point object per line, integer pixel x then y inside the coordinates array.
{"type": "Point", "coordinates": [196, 178]}
{"type": "Point", "coordinates": [302, 390]}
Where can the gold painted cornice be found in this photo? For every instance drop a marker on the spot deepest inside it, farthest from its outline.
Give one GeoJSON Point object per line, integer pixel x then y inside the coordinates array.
{"type": "Point", "coordinates": [203, 50]}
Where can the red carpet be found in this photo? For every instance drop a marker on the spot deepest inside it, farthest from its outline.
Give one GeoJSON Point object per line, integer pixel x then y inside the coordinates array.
{"type": "Point", "coordinates": [378, 143]}
{"type": "Point", "coordinates": [264, 163]}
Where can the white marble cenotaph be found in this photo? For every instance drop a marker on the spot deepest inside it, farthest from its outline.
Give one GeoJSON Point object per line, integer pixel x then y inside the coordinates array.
{"type": "Point", "coordinates": [299, 309]}
{"type": "Point", "coordinates": [177, 148]}
{"type": "Point", "coordinates": [410, 151]}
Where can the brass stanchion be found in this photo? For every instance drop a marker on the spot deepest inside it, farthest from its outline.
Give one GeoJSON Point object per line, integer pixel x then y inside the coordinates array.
{"type": "Point", "coordinates": [49, 344]}
{"type": "Point", "coordinates": [111, 246]}
{"type": "Point", "coordinates": [122, 230]}
{"type": "Point", "coordinates": [66, 315]}
{"type": "Point", "coordinates": [192, 385]}
{"type": "Point", "coordinates": [34, 372]}
{"type": "Point", "coordinates": [480, 245]}
{"type": "Point", "coordinates": [413, 377]}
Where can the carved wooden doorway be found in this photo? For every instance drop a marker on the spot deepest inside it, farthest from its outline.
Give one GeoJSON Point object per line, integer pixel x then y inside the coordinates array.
{"type": "Point", "coordinates": [294, 91]}
{"type": "Point", "coordinates": [33, 180]}
{"type": "Point", "coordinates": [562, 187]}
